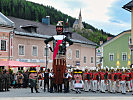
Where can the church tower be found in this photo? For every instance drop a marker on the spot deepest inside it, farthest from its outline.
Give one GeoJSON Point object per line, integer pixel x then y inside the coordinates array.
{"type": "Point", "coordinates": [78, 23]}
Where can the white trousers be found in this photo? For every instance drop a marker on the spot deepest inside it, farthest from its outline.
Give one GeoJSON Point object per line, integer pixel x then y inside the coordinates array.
{"type": "Point", "coordinates": [102, 86]}
{"type": "Point", "coordinates": [132, 84]}
{"type": "Point", "coordinates": [118, 87]}
{"type": "Point", "coordinates": [41, 84]}
{"type": "Point", "coordinates": [71, 85]}
{"type": "Point", "coordinates": [94, 85]}
{"type": "Point", "coordinates": [99, 85]}
{"type": "Point", "coordinates": [105, 81]}
{"type": "Point", "coordinates": [109, 86]}
{"type": "Point", "coordinates": [123, 86]}
{"type": "Point", "coordinates": [113, 89]}
{"type": "Point", "coordinates": [86, 85]}
{"type": "Point", "coordinates": [91, 84]}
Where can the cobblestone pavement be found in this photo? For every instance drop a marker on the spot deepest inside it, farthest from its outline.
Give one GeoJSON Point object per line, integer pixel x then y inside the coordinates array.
{"type": "Point", "coordinates": [26, 93]}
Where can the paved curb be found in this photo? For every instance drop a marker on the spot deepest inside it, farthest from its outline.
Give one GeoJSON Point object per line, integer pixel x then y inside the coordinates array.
{"type": "Point", "coordinates": [67, 98]}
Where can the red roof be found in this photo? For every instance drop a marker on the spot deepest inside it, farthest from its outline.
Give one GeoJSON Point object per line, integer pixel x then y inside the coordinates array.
{"type": "Point", "coordinates": [12, 63]}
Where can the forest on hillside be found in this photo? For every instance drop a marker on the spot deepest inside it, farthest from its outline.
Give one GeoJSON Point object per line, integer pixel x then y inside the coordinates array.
{"type": "Point", "coordinates": [33, 11]}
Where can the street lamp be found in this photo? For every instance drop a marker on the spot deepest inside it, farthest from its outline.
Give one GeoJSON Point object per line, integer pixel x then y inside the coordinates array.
{"type": "Point", "coordinates": [46, 55]}
{"type": "Point", "coordinates": [101, 59]}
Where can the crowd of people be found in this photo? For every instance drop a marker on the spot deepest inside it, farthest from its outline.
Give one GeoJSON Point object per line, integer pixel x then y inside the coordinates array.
{"type": "Point", "coordinates": [45, 81]}
{"type": "Point", "coordinates": [113, 81]}
{"type": "Point", "coordinates": [4, 81]}
{"type": "Point", "coordinates": [8, 79]}
{"type": "Point", "coordinates": [104, 80]}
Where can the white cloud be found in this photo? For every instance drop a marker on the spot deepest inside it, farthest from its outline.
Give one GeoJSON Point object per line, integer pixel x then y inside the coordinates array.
{"type": "Point", "coordinates": [110, 27]}
{"type": "Point", "coordinates": [94, 12]}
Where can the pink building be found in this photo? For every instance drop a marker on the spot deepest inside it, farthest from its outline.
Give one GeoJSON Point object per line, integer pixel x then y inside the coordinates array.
{"type": "Point", "coordinates": [28, 45]}
{"type": "Point", "coordinates": [6, 32]}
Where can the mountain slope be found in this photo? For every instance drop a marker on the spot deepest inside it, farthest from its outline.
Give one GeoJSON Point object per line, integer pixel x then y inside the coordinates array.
{"type": "Point", "coordinates": [33, 11]}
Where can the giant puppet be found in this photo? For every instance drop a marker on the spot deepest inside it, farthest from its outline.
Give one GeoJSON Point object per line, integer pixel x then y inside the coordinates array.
{"type": "Point", "coordinates": [60, 43]}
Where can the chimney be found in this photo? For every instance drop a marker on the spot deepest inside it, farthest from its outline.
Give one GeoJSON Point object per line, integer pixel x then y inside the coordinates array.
{"type": "Point", "coordinates": [46, 20]}
{"type": "Point", "coordinates": [109, 38]}
{"type": "Point", "coordinates": [101, 42]}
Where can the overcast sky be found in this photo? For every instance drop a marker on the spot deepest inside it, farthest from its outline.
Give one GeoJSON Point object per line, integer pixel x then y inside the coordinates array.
{"type": "Point", "coordinates": [102, 14]}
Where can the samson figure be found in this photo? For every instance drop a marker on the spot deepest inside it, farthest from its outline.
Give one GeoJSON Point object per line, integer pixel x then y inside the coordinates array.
{"type": "Point", "coordinates": [60, 43]}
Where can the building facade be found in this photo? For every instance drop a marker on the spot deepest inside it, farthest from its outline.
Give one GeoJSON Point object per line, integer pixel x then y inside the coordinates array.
{"type": "Point", "coordinates": [28, 45]}
{"type": "Point", "coordinates": [6, 36]}
{"type": "Point", "coordinates": [129, 7]}
{"type": "Point", "coordinates": [116, 52]}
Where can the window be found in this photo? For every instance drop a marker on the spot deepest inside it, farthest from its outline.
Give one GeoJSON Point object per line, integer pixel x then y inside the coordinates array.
{"type": "Point", "coordinates": [91, 59]}
{"type": "Point", "coordinates": [46, 52]}
{"type": "Point", "coordinates": [124, 56]}
{"type": "Point", "coordinates": [129, 40]}
{"type": "Point", "coordinates": [21, 49]}
{"type": "Point", "coordinates": [84, 59]}
{"type": "Point", "coordinates": [3, 45]}
{"type": "Point", "coordinates": [34, 50]}
{"type": "Point", "coordinates": [33, 30]}
{"type": "Point", "coordinates": [111, 56]}
{"type": "Point", "coordinates": [77, 53]}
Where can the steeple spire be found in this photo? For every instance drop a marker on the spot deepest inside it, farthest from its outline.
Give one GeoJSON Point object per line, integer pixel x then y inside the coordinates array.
{"type": "Point", "coordinates": [80, 13]}
{"type": "Point", "coordinates": [78, 23]}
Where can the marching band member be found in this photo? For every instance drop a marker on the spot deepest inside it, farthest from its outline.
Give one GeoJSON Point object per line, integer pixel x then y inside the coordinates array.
{"type": "Point", "coordinates": [99, 81]}
{"type": "Point", "coordinates": [89, 75]}
{"type": "Point", "coordinates": [123, 82]}
{"type": "Point", "coordinates": [109, 81]}
{"type": "Point", "coordinates": [91, 81]}
{"type": "Point", "coordinates": [95, 79]}
{"type": "Point", "coordinates": [128, 79]}
{"type": "Point", "coordinates": [106, 79]}
{"type": "Point", "coordinates": [86, 83]}
{"type": "Point", "coordinates": [118, 81]}
{"type": "Point", "coordinates": [132, 79]}
{"type": "Point", "coordinates": [102, 75]}
{"type": "Point", "coordinates": [114, 78]}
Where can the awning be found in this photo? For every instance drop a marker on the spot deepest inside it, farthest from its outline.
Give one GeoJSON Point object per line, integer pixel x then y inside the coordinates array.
{"type": "Point", "coordinates": [12, 63]}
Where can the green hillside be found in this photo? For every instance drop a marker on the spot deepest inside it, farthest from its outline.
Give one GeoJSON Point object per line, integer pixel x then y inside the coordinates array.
{"type": "Point", "coordinates": [33, 11]}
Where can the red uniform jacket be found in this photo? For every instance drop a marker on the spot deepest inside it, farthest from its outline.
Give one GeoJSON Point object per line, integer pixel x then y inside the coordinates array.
{"type": "Point", "coordinates": [114, 76]}
{"type": "Point", "coordinates": [95, 75]}
{"type": "Point", "coordinates": [123, 76]}
{"type": "Point", "coordinates": [109, 76]}
{"type": "Point", "coordinates": [89, 76]}
{"type": "Point", "coordinates": [102, 75]}
{"type": "Point", "coordinates": [85, 76]}
{"type": "Point", "coordinates": [128, 76]}
{"type": "Point", "coordinates": [119, 76]}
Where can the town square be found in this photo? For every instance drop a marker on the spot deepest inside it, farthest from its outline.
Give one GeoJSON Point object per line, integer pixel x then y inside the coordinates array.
{"type": "Point", "coordinates": [66, 49]}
